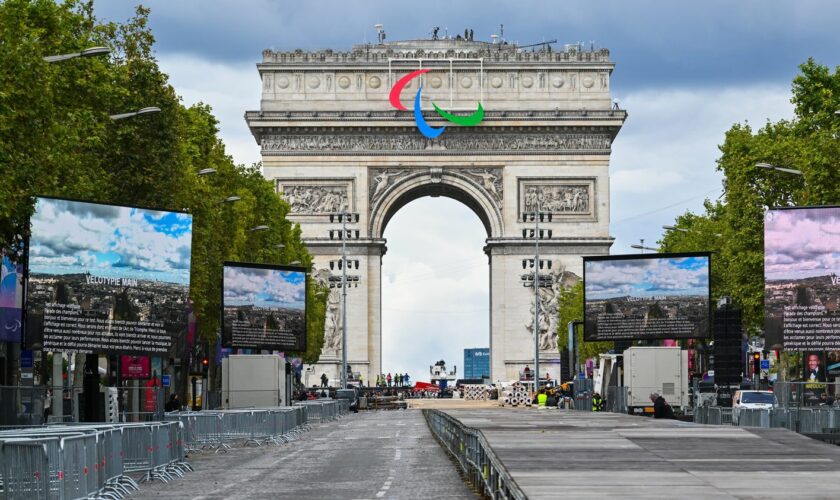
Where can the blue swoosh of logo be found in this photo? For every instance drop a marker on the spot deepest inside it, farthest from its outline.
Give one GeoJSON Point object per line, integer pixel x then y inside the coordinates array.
{"type": "Point", "coordinates": [424, 127]}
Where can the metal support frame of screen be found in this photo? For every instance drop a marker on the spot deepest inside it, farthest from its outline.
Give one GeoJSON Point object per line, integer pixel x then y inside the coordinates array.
{"type": "Point", "coordinates": [227, 333]}
{"type": "Point", "coordinates": [776, 336]}
{"type": "Point", "coordinates": [173, 329]}
{"type": "Point", "coordinates": [587, 327]}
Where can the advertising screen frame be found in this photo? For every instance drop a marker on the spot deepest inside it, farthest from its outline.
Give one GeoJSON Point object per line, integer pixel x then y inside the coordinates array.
{"type": "Point", "coordinates": [227, 337]}
{"type": "Point", "coordinates": [27, 310]}
{"type": "Point", "coordinates": [776, 339]}
{"type": "Point", "coordinates": [587, 337]}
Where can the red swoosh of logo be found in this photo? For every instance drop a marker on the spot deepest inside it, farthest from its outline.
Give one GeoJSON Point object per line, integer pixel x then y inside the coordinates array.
{"type": "Point", "coordinates": [396, 90]}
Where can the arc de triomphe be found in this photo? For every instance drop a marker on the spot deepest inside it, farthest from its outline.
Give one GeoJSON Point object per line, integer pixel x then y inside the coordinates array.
{"type": "Point", "coordinates": [331, 141]}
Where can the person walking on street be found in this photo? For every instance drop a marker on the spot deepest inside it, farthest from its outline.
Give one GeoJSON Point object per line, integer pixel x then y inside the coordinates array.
{"type": "Point", "coordinates": [324, 380]}
{"type": "Point", "coordinates": [597, 402]}
{"type": "Point", "coordinates": [661, 409]}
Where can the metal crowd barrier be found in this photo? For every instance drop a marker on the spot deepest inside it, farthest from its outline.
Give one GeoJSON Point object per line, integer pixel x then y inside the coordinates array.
{"type": "Point", "coordinates": [219, 429]}
{"type": "Point", "coordinates": [89, 460]}
{"type": "Point", "coordinates": [474, 455]}
{"type": "Point", "coordinates": [325, 410]}
{"type": "Point", "coordinates": [813, 420]}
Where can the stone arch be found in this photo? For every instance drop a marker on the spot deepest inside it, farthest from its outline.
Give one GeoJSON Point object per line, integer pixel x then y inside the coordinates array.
{"type": "Point", "coordinates": [437, 182]}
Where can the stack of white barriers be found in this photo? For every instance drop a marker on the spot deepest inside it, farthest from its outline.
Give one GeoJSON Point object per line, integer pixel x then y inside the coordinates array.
{"type": "Point", "coordinates": [88, 460]}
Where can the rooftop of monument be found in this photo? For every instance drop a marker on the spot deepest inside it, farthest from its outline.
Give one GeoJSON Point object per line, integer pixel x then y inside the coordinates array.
{"type": "Point", "coordinates": [443, 48]}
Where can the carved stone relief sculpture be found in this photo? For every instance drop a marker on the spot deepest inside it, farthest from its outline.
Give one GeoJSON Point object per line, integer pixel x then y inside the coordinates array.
{"type": "Point", "coordinates": [399, 143]}
{"type": "Point", "coordinates": [557, 198]}
{"type": "Point", "coordinates": [315, 198]}
{"type": "Point", "coordinates": [380, 179]}
{"type": "Point", "coordinates": [332, 327]}
{"type": "Point", "coordinates": [549, 307]}
{"type": "Point", "coordinates": [490, 179]}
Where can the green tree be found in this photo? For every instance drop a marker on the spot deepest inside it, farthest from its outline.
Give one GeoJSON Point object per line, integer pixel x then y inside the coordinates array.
{"type": "Point", "coordinates": [810, 142]}
{"type": "Point", "coordinates": [571, 309]}
{"type": "Point", "coordinates": [56, 139]}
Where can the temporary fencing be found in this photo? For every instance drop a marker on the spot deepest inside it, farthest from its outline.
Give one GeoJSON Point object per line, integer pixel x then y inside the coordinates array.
{"type": "Point", "coordinates": [218, 430]}
{"type": "Point", "coordinates": [89, 460]}
{"type": "Point", "coordinates": [474, 455]}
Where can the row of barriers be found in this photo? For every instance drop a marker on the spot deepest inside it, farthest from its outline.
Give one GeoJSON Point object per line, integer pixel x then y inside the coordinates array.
{"type": "Point", "coordinates": [813, 420]}
{"type": "Point", "coordinates": [474, 455]}
{"type": "Point", "coordinates": [70, 461]}
{"type": "Point", "coordinates": [90, 460]}
{"type": "Point", "coordinates": [219, 430]}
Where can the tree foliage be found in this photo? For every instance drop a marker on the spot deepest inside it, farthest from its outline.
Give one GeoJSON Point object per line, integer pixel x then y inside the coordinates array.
{"type": "Point", "coordinates": [810, 142]}
{"type": "Point", "coordinates": [56, 139]}
{"type": "Point", "coordinates": [571, 309]}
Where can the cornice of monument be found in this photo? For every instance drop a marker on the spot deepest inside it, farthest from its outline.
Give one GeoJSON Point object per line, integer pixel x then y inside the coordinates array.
{"type": "Point", "coordinates": [431, 50]}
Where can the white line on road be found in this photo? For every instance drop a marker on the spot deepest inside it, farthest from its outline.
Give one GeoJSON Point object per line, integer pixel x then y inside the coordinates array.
{"type": "Point", "coordinates": [748, 460]}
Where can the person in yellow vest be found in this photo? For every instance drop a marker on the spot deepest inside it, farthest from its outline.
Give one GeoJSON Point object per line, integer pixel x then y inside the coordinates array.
{"type": "Point", "coordinates": [541, 398]}
{"type": "Point", "coordinates": [597, 402]}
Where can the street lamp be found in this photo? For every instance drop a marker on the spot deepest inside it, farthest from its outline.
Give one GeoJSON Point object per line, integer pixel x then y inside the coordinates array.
{"type": "Point", "coordinates": [142, 111]}
{"type": "Point", "coordinates": [261, 227]}
{"type": "Point", "coordinates": [642, 247]}
{"type": "Point", "coordinates": [294, 263]}
{"type": "Point", "coordinates": [536, 217]}
{"type": "Point", "coordinates": [344, 218]}
{"type": "Point", "coordinates": [231, 199]}
{"type": "Point", "coordinates": [779, 169]}
{"type": "Point", "coordinates": [668, 227]}
{"type": "Point", "coordinates": [280, 246]}
{"type": "Point", "coordinates": [206, 171]}
{"type": "Point", "coordinates": [92, 51]}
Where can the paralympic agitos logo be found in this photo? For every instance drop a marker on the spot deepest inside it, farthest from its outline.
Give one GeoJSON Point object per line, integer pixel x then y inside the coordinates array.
{"type": "Point", "coordinates": [424, 128]}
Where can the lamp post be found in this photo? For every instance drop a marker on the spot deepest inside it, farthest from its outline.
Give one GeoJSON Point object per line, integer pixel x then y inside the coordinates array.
{"type": "Point", "coordinates": [779, 169]}
{"type": "Point", "coordinates": [58, 384]}
{"type": "Point", "coordinates": [642, 247]}
{"type": "Point", "coordinates": [536, 217]}
{"type": "Point", "coordinates": [141, 111]}
{"type": "Point", "coordinates": [344, 218]}
{"type": "Point", "coordinates": [92, 51]}
{"type": "Point", "coordinates": [206, 171]}
{"type": "Point", "coordinates": [261, 227]}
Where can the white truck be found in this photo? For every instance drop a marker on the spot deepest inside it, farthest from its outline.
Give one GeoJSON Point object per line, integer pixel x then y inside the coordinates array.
{"type": "Point", "coordinates": [254, 381]}
{"type": "Point", "coordinates": [655, 369]}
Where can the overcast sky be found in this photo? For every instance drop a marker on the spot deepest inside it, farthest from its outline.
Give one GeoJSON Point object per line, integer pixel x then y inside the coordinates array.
{"type": "Point", "coordinates": [685, 71]}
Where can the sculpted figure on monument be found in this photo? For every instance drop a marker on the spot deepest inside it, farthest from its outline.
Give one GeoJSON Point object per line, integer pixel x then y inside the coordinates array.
{"type": "Point", "coordinates": [557, 199]}
{"type": "Point", "coordinates": [315, 199]}
{"type": "Point", "coordinates": [491, 180]}
{"type": "Point", "coordinates": [381, 181]}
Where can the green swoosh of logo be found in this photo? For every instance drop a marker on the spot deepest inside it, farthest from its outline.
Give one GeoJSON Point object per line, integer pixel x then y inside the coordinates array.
{"type": "Point", "coordinates": [467, 121]}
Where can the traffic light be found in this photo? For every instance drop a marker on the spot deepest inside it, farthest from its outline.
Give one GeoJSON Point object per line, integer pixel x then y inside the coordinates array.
{"type": "Point", "coordinates": [756, 363]}
{"type": "Point", "coordinates": [205, 364]}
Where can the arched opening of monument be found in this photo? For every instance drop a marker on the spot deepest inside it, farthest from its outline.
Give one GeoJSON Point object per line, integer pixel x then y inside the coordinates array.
{"type": "Point", "coordinates": [435, 285]}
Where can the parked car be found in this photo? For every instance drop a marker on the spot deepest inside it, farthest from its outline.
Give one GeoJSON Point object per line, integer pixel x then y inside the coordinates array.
{"type": "Point", "coordinates": [742, 400]}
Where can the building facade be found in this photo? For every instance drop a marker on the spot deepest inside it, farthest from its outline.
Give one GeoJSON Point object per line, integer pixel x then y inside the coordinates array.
{"type": "Point", "coordinates": [477, 363]}
{"type": "Point", "coordinates": [332, 141]}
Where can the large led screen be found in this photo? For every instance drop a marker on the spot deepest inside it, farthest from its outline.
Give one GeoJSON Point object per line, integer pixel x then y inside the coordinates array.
{"type": "Point", "coordinates": [646, 297]}
{"type": "Point", "coordinates": [801, 282]}
{"type": "Point", "coordinates": [11, 299]}
{"type": "Point", "coordinates": [264, 307]}
{"type": "Point", "coordinates": [107, 278]}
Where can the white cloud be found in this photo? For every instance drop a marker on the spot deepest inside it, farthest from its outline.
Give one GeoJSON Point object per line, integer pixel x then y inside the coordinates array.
{"type": "Point", "coordinates": [229, 88]}
{"type": "Point", "coordinates": [664, 159]}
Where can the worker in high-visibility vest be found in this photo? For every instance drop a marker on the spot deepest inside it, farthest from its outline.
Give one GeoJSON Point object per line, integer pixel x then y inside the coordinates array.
{"type": "Point", "coordinates": [541, 398]}
{"type": "Point", "coordinates": [597, 402]}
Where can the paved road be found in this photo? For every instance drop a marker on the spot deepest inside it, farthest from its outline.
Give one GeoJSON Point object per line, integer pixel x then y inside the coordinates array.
{"type": "Point", "coordinates": [607, 455]}
{"type": "Point", "coordinates": [385, 454]}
